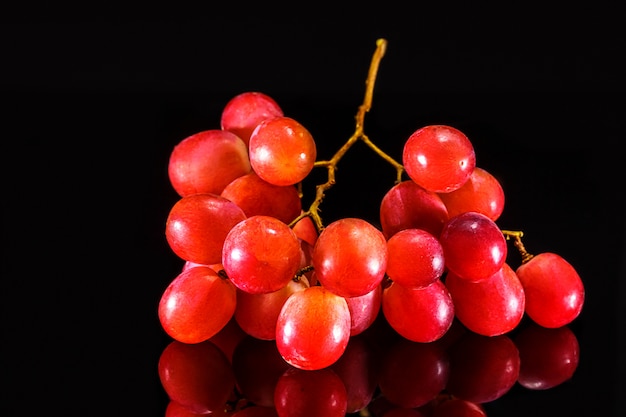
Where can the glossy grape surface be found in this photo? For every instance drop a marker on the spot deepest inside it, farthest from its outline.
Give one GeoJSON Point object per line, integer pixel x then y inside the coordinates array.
{"type": "Point", "coordinates": [439, 158]}
{"type": "Point", "coordinates": [245, 111]}
{"type": "Point", "coordinates": [415, 258]}
{"type": "Point", "coordinates": [282, 151]}
{"type": "Point", "coordinates": [313, 328]}
{"type": "Point", "coordinates": [473, 246]}
{"type": "Point", "coordinates": [350, 257]}
{"type": "Point", "coordinates": [261, 254]}
{"type": "Point", "coordinates": [207, 161]}
{"type": "Point", "coordinates": [554, 291]}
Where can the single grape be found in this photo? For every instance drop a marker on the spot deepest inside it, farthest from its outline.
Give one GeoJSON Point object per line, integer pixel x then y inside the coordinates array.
{"type": "Point", "coordinates": [457, 407]}
{"type": "Point", "coordinates": [282, 151]}
{"type": "Point", "coordinates": [415, 258]}
{"type": "Point", "coordinates": [549, 357]}
{"type": "Point", "coordinates": [187, 308]}
{"type": "Point", "coordinates": [407, 205]}
{"type": "Point", "coordinates": [439, 158]}
{"type": "Point", "coordinates": [489, 307]}
{"type": "Point", "coordinates": [364, 309]}
{"type": "Point", "coordinates": [555, 293]}
{"type": "Point", "coordinates": [197, 226]}
{"type": "Point", "coordinates": [256, 314]}
{"type": "Point", "coordinates": [207, 161]}
{"type": "Point", "coordinates": [350, 257]}
{"type": "Point", "coordinates": [313, 328]}
{"type": "Point", "coordinates": [245, 111]}
{"type": "Point", "coordinates": [311, 393]}
{"type": "Point", "coordinates": [261, 254]}
{"type": "Point", "coordinates": [418, 314]}
{"type": "Point", "coordinates": [482, 192]}
{"type": "Point", "coordinates": [305, 229]}
{"type": "Point", "coordinates": [198, 376]}
{"type": "Point", "coordinates": [256, 196]}
{"type": "Point", "coordinates": [474, 247]}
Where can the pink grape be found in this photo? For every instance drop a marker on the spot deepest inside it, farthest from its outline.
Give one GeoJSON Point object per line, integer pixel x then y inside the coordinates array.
{"type": "Point", "coordinates": [350, 257]}
{"type": "Point", "coordinates": [474, 247]}
{"type": "Point", "coordinates": [261, 254]}
{"type": "Point", "coordinates": [364, 309]}
{"type": "Point", "coordinates": [282, 151]}
{"type": "Point", "coordinates": [207, 161]}
{"type": "Point", "coordinates": [440, 158]}
{"type": "Point", "coordinates": [197, 226]}
{"type": "Point", "coordinates": [313, 328]}
{"type": "Point", "coordinates": [555, 293]}
{"type": "Point", "coordinates": [245, 111]}
{"type": "Point", "coordinates": [482, 192]}
{"type": "Point", "coordinates": [415, 258]}
{"type": "Point", "coordinates": [418, 314]}
{"type": "Point", "coordinates": [187, 309]}
{"type": "Point", "coordinates": [407, 205]}
{"type": "Point", "coordinates": [489, 307]}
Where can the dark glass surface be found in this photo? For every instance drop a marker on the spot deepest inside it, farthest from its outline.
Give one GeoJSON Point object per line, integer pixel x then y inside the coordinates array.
{"type": "Point", "coordinates": [93, 110]}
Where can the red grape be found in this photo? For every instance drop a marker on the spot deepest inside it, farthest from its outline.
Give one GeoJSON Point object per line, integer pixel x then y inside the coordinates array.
{"type": "Point", "coordinates": [474, 247]}
{"type": "Point", "coordinates": [457, 407]}
{"type": "Point", "coordinates": [364, 309]}
{"type": "Point", "coordinates": [482, 192]}
{"type": "Point", "coordinates": [197, 226]}
{"type": "Point", "coordinates": [197, 376]}
{"type": "Point", "coordinates": [282, 151]}
{"type": "Point", "coordinates": [256, 196]}
{"type": "Point", "coordinates": [207, 161]}
{"type": "Point", "coordinates": [554, 291]}
{"type": "Point", "coordinates": [439, 158]}
{"type": "Point", "coordinates": [350, 257]}
{"type": "Point", "coordinates": [489, 307]}
{"type": "Point", "coordinates": [256, 314]}
{"type": "Point", "coordinates": [313, 328]}
{"type": "Point", "coordinates": [245, 111]}
{"type": "Point", "coordinates": [409, 206]}
{"type": "Point", "coordinates": [418, 314]}
{"type": "Point", "coordinates": [261, 254]}
{"type": "Point", "coordinates": [187, 309]}
{"type": "Point", "coordinates": [305, 229]}
{"type": "Point", "coordinates": [415, 258]}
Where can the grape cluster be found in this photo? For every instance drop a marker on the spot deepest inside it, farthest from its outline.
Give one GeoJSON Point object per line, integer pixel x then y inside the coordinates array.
{"type": "Point", "coordinates": [253, 254]}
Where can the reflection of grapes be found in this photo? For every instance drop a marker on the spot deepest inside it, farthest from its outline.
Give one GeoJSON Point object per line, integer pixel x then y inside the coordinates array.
{"type": "Point", "coordinates": [258, 262]}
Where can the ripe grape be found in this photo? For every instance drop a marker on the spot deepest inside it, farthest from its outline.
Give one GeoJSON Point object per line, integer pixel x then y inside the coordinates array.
{"type": "Point", "coordinates": [197, 226]}
{"type": "Point", "coordinates": [350, 257]}
{"type": "Point", "coordinates": [282, 151]}
{"type": "Point", "coordinates": [418, 314]}
{"type": "Point", "coordinates": [187, 309]}
{"type": "Point", "coordinates": [554, 291]}
{"type": "Point", "coordinates": [474, 247]}
{"type": "Point", "coordinates": [407, 205]}
{"type": "Point", "coordinates": [482, 192]}
{"type": "Point", "coordinates": [439, 158]}
{"type": "Point", "coordinates": [415, 258]}
{"type": "Point", "coordinates": [198, 376]}
{"type": "Point", "coordinates": [256, 196]}
{"type": "Point", "coordinates": [245, 111]}
{"type": "Point", "coordinates": [364, 309]}
{"type": "Point", "coordinates": [256, 314]}
{"type": "Point", "coordinates": [313, 328]}
{"type": "Point", "coordinates": [457, 407]}
{"type": "Point", "coordinates": [207, 161]}
{"type": "Point", "coordinates": [261, 254]}
{"type": "Point", "coordinates": [489, 307]}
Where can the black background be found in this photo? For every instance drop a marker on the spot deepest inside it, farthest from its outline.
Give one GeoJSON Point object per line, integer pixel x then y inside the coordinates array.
{"type": "Point", "coordinates": [94, 101]}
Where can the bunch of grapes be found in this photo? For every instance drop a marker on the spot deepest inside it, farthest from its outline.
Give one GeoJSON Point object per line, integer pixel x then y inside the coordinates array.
{"type": "Point", "coordinates": [252, 253]}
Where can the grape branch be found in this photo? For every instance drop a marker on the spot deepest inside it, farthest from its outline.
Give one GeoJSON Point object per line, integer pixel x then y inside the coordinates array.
{"type": "Point", "coordinates": [359, 134]}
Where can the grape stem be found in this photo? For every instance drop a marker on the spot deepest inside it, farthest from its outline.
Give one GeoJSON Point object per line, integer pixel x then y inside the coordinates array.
{"type": "Point", "coordinates": [359, 134]}
{"type": "Point", "coordinates": [517, 242]}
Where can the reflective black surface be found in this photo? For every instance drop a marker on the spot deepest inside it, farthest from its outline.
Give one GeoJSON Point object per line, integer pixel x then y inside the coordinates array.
{"type": "Point", "coordinates": [93, 109]}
